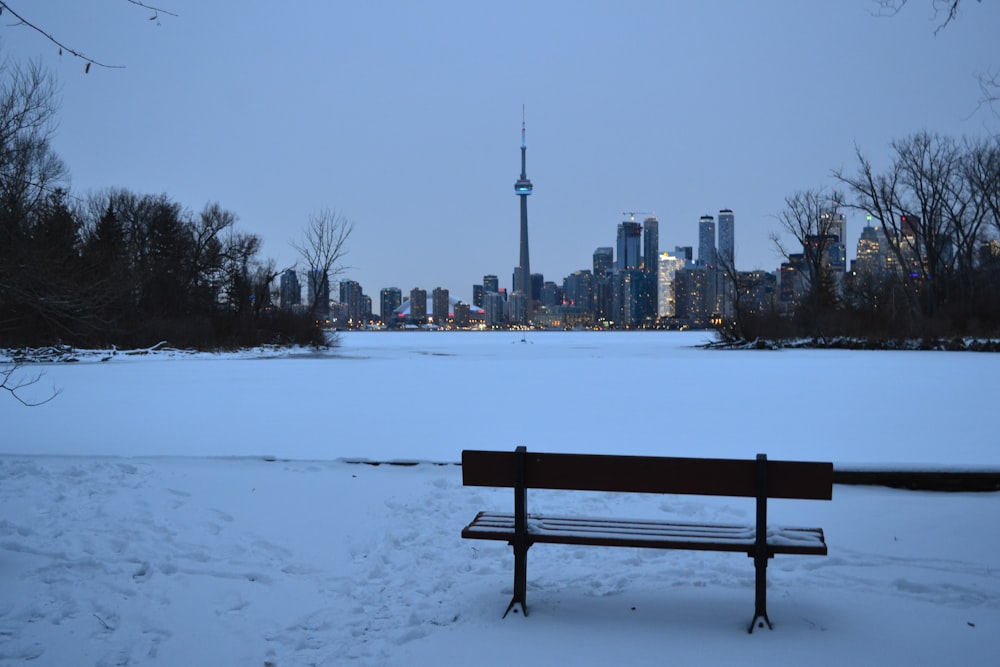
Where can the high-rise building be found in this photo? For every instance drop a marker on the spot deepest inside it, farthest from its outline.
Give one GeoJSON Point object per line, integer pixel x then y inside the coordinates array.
{"type": "Point", "coordinates": [491, 284]}
{"type": "Point", "coordinates": [726, 260]}
{"type": "Point", "coordinates": [352, 299]}
{"type": "Point", "coordinates": [477, 296]}
{"type": "Point", "coordinates": [418, 305]}
{"type": "Point", "coordinates": [441, 306]}
{"type": "Point", "coordinates": [684, 252]}
{"type": "Point", "coordinates": [390, 299]}
{"type": "Point", "coordinates": [650, 244]}
{"type": "Point", "coordinates": [493, 307]}
{"type": "Point", "coordinates": [290, 290]}
{"type": "Point", "coordinates": [578, 290]}
{"type": "Point", "coordinates": [522, 280]}
{"type": "Point", "coordinates": [706, 241]}
{"type": "Point", "coordinates": [551, 295]}
{"type": "Point", "coordinates": [869, 254]}
{"type": "Point", "coordinates": [629, 236]}
{"type": "Point", "coordinates": [669, 265]}
{"type": "Point", "coordinates": [603, 261]}
{"type": "Point", "coordinates": [727, 239]}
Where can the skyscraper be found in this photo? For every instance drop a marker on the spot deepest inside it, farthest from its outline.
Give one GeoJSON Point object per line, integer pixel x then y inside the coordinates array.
{"type": "Point", "coordinates": [522, 188]}
{"type": "Point", "coordinates": [391, 298]}
{"type": "Point", "coordinates": [291, 290]}
{"type": "Point", "coordinates": [418, 305]}
{"type": "Point", "coordinates": [629, 234]}
{"type": "Point", "coordinates": [706, 241]}
{"type": "Point", "coordinates": [603, 261]}
{"type": "Point", "coordinates": [441, 305]}
{"type": "Point", "coordinates": [726, 260]}
{"type": "Point", "coordinates": [650, 244]}
{"type": "Point", "coordinates": [727, 239]}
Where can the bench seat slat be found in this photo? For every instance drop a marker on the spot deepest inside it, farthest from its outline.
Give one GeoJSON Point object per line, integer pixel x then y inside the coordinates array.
{"type": "Point", "coordinates": [646, 533]}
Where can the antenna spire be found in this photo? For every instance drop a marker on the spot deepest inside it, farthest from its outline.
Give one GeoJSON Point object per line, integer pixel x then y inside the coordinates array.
{"type": "Point", "coordinates": [522, 126]}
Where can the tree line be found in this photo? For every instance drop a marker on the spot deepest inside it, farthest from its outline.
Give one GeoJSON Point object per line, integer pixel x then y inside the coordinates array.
{"type": "Point", "coordinates": [934, 212]}
{"type": "Point", "coordinates": [118, 267]}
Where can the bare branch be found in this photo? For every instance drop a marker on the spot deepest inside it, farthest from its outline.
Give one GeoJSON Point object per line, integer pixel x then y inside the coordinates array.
{"type": "Point", "coordinates": [4, 6]}
{"type": "Point", "coordinates": [158, 10]}
{"type": "Point", "coordinates": [62, 47]}
{"type": "Point", "coordinates": [947, 7]}
{"type": "Point", "coordinates": [9, 381]}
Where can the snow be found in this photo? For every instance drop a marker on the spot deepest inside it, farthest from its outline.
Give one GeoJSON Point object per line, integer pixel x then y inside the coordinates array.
{"type": "Point", "coordinates": [194, 509]}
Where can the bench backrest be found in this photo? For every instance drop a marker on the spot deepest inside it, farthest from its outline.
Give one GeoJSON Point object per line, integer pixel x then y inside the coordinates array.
{"type": "Point", "coordinates": [649, 474]}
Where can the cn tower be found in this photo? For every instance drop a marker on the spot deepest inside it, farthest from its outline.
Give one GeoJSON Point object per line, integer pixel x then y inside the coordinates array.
{"type": "Point", "coordinates": [523, 188]}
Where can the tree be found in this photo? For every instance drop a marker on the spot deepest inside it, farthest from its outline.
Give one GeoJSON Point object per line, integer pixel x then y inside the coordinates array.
{"type": "Point", "coordinates": [812, 218]}
{"type": "Point", "coordinates": [323, 245]}
{"type": "Point", "coordinates": [932, 203]}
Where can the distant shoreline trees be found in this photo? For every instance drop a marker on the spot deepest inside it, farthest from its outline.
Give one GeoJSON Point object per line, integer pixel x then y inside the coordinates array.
{"type": "Point", "coordinates": [119, 268]}
{"type": "Point", "coordinates": [934, 221]}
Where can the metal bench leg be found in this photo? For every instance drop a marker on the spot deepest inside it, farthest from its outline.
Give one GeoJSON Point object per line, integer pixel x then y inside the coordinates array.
{"type": "Point", "coordinates": [520, 580]}
{"type": "Point", "coordinates": [520, 541]}
{"type": "Point", "coordinates": [760, 552]}
{"type": "Point", "coordinates": [760, 598]}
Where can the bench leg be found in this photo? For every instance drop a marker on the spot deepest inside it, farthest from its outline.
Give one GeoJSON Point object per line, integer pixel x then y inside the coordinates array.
{"type": "Point", "coordinates": [760, 597]}
{"type": "Point", "coordinates": [520, 579]}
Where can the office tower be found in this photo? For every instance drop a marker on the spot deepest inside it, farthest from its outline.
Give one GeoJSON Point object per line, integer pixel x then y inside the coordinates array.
{"type": "Point", "coordinates": [493, 308]}
{"type": "Point", "coordinates": [706, 241]}
{"type": "Point", "coordinates": [629, 234]}
{"type": "Point", "coordinates": [418, 305]}
{"type": "Point", "coordinates": [491, 284]}
{"type": "Point", "coordinates": [390, 299]}
{"type": "Point", "coordinates": [477, 296]}
{"type": "Point", "coordinates": [290, 290]}
{"type": "Point", "coordinates": [669, 265]}
{"type": "Point", "coordinates": [536, 281]}
{"type": "Point", "coordinates": [691, 295]}
{"type": "Point", "coordinates": [578, 290]}
{"type": "Point", "coordinates": [352, 298]}
{"type": "Point", "coordinates": [684, 252]}
{"type": "Point", "coordinates": [869, 255]}
{"type": "Point", "coordinates": [462, 315]}
{"type": "Point", "coordinates": [650, 244]}
{"type": "Point", "coordinates": [727, 239]}
{"type": "Point", "coordinates": [523, 188]}
{"type": "Point", "coordinates": [551, 295]}
{"type": "Point", "coordinates": [726, 260]}
{"type": "Point", "coordinates": [603, 261]}
{"type": "Point", "coordinates": [441, 306]}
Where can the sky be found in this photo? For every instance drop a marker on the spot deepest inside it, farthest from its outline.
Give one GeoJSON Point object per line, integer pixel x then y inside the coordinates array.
{"type": "Point", "coordinates": [406, 117]}
{"type": "Point", "coordinates": [181, 508]}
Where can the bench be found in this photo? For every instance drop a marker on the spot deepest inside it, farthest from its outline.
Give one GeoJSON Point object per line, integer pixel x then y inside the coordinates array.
{"type": "Point", "coordinates": [760, 479]}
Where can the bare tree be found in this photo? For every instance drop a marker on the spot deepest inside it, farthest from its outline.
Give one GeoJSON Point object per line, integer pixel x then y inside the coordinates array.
{"type": "Point", "coordinates": [11, 381]}
{"type": "Point", "coordinates": [810, 216]}
{"type": "Point", "coordinates": [323, 245]}
{"type": "Point", "coordinates": [22, 21]}
{"type": "Point", "coordinates": [929, 211]}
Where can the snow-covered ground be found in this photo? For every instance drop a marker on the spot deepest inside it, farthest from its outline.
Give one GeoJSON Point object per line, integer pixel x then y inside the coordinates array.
{"type": "Point", "coordinates": [184, 509]}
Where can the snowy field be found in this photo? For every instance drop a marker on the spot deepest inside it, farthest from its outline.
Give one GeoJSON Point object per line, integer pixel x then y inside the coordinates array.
{"type": "Point", "coordinates": [192, 509]}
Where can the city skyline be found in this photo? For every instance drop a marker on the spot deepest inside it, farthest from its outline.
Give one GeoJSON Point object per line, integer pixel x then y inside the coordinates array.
{"type": "Point", "coordinates": [403, 120]}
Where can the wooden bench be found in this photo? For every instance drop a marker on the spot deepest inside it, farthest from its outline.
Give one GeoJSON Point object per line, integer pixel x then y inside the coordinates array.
{"type": "Point", "coordinates": [760, 479]}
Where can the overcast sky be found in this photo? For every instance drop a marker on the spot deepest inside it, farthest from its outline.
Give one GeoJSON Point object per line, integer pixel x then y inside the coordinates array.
{"type": "Point", "coordinates": [406, 117]}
